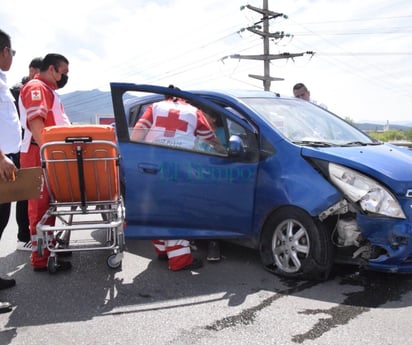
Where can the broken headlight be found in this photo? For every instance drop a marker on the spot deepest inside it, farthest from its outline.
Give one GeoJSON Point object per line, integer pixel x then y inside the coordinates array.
{"type": "Point", "coordinates": [369, 194]}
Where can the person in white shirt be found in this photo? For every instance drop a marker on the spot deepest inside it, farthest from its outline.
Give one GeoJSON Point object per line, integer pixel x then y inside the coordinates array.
{"type": "Point", "coordinates": [10, 141]}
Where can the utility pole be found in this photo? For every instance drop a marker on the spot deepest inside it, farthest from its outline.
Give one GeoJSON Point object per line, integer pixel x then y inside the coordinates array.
{"type": "Point", "coordinates": [267, 15]}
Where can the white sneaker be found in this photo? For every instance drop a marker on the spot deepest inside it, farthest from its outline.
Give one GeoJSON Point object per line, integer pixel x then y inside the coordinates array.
{"type": "Point", "coordinates": [26, 246]}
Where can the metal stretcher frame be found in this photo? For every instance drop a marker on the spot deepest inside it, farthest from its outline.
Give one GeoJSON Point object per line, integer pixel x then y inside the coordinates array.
{"type": "Point", "coordinates": [81, 171]}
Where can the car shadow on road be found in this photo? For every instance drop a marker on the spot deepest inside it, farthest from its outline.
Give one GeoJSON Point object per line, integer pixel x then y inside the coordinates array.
{"type": "Point", "coordinates": [92, 289]}
{"type": "Point", "coordinates": [144, 283]}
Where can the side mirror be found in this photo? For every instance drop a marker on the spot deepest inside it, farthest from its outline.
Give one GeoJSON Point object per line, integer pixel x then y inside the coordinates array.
{"type": "Point", "coordinates": [236, 146]}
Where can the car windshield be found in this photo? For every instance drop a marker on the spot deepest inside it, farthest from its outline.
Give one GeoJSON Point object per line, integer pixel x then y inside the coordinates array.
{"type": "Point", "coordinates": [307, 124]}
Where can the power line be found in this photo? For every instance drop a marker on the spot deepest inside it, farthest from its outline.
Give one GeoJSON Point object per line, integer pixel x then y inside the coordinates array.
{"type": "Point", "coordinates": [364, 32]}
{"type": "Point", "coordinates": [143, 65]}
{"type": "Point", "coordinates": [365, 54]}
{"type": "Point", "coordinates": [337, 21]}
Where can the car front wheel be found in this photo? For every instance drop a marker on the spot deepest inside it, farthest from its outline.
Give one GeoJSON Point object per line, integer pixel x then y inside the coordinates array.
{"type": "Point", "coordinates": [295, 245]}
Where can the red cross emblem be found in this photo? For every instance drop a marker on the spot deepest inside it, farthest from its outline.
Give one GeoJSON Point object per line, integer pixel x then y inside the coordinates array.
{"type": "Point", "coordinates": [171, 123]}
{"type": "Point", "coordinates": [35, 95]}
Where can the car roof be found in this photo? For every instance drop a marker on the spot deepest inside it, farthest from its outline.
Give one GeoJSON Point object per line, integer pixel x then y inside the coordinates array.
{"type": "Point", "coordinates": [212, 92]}
{"type": "Point", "coordinates": [237, 93]}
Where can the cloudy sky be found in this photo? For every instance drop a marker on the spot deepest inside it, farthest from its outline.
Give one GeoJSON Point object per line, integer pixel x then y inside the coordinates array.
{"type": "Point", "coordinates": [361, 69]}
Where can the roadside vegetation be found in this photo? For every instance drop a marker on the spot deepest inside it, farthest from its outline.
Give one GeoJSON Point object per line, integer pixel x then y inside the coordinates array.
{"type": "Point", "coordinates": [392, 135]}
{"type": "Point", "coordinates": [388, 135]}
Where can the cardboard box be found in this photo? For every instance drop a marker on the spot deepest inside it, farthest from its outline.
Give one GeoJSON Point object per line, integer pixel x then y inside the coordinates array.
{"type": "Point", "coordinates": [26, 186]}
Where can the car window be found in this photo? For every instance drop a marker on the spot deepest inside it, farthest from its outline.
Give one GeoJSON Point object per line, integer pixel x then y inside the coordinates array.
{"type": "Point", "coordinates": [137, 105]}
{"type": "Point", "coordinates": [301, 122]}
{"type": "Point", "coordinates": [136, 112]}
{"type": "Point", "coordinates": [177, 124]}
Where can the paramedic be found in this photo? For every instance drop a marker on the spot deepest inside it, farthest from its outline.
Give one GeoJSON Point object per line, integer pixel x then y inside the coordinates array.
{"type": "Point", "coordinates": [40, 107]}
{"type": "Point", "coordinates": [174, 122]}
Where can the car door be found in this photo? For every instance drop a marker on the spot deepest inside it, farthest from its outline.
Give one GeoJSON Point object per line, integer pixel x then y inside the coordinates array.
{"type": "Point", "coordinates": [174, 192]}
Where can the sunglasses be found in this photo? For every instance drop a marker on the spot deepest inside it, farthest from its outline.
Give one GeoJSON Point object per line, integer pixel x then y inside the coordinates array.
{"type": "Point", "coordinates": [12, 51]}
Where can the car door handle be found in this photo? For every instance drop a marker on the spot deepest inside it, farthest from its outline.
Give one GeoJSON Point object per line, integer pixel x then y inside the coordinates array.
{"type": "Point", "coordinates": [148, 168]}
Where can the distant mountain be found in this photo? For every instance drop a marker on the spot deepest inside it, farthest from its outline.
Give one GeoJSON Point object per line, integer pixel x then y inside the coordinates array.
{"type": "Point", "coordinates": [85, 106]}
{"type": "Point", "coordinates": [380, 127]}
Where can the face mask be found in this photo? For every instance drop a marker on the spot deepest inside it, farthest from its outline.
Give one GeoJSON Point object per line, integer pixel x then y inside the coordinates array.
{"type": "Point", "coordinates": [62, 81]}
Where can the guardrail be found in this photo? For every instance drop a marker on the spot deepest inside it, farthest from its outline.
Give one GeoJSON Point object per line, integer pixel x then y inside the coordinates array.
{"type": "Point", "coordinates": [407, 144]}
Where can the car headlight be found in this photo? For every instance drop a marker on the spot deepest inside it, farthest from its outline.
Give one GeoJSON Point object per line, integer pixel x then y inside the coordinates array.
{"type": "Point", "coordinates": [368, 193]}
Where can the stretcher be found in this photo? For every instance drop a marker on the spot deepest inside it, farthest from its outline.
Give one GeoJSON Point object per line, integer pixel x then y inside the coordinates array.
{"type": "Point", "coordinates": [80, 166]}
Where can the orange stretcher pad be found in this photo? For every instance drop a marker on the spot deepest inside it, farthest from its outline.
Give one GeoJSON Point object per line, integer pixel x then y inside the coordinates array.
{"type": "Point", "coordinates": [80, 163]}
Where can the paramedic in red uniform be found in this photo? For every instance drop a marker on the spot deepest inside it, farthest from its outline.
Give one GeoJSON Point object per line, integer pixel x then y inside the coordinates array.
{"type": "Point", "coordinates": [40, 107]}
{"type": "Point", "coordinates": [174, 122]}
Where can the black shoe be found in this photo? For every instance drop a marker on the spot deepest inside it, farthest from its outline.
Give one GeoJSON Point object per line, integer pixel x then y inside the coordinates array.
{"type": "Point", "coordinates": [6, 283]}
{"type": "Point", "coordinates": [5, 307]}
{"type": "Point", "coordinates": [196, 263]}
{"type": "Point", "coordinates": [60, 267]}
{"type": "Point", "coordinates": [213, 251]}
{"type": "Point", "coordinates": [162, 257]}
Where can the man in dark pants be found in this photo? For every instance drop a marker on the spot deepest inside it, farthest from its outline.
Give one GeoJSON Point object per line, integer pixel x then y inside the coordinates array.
{"type": "Point", "coordinates": [10, 134]}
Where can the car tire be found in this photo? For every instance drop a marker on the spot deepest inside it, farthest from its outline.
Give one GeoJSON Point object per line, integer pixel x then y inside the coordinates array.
{"type": "Point", "coordinates": [295, 245]}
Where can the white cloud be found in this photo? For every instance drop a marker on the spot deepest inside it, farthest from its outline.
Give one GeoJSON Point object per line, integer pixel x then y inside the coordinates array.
{"type": "Point", "coordinates": [362, 67]}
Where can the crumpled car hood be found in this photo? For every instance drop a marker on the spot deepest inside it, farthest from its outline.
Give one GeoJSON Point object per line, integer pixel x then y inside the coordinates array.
{"type": "Point", "coordinates": [387, 163]}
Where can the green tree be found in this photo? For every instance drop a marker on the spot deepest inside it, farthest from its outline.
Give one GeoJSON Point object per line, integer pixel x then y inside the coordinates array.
{"type": "Point", "coordinates": [408, 134]}
{"type": "Point", "coordinates": [349, 119]}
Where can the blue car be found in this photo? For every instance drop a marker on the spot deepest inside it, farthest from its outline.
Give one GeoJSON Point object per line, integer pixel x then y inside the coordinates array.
{"type": "Point", "coordinates": [294, 181]}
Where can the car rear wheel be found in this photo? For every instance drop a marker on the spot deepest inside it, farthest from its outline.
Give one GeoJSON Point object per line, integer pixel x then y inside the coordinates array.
{"type": "Point", "coordinates": [295, 245]}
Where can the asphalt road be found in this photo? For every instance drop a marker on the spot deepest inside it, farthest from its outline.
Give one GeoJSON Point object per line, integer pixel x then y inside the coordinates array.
{"type": "Point", "coordinates": [232, 302]}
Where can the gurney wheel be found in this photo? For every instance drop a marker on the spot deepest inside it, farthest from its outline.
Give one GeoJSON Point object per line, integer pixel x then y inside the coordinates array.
{"type": "Point", "coordinates": [51, 264]}
{"type": "Point", "coordinates": [114, 261]}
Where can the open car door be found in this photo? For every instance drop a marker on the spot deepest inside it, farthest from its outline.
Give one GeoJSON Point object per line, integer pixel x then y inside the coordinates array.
{"type": "Point", "coordinates": [175, 192]}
